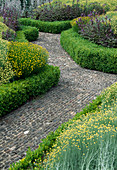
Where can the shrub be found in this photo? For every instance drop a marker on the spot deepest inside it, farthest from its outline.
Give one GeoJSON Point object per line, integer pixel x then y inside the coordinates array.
{"type": "Point", "coordinates": [6, 72]}
{"type": "Point", "coordinates": [55, 27]}
{"type": "Point", "coordinates": [75, 22]}
{"type": "Point", "coordinates": [112, 15]}
{"type": "Point", "coordinates": [10, 17]}
{"type": "Point", "coordinates": [13, 95]}
{"type": "Point", "coordinates": [95, 6]}
{"type": "Point", "coordinates": [31, 33]}
{"type": "Point", "coordinates": [9, 35]}
{"type": "Point", "coordinates": [88, 54]}
{"type": "Point", "coordinates": [3, 27]}
{"type": "Point", "coordinates": [20, 37]}
{"type": "Point", "coordinates": [99, 31]}
{"type": "Point", "coordinates": [111, 4]}
{"type": "Point", "coordinates": [114, 24]}
{"type": "Point", "coordinates": [57, 12]}
{"type": "Point", "coordinates": [26, 58]}
{"type": "Point", "coordinates": [109, 95]}
{"type": "Point", "coordinates": [89, 143]}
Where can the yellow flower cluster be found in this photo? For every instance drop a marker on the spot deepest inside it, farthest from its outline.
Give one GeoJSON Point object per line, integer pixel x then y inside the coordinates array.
{"type": "Point", "coordinates": [84, 135]}
{"type": "Point", "coordinates": [26, 58]}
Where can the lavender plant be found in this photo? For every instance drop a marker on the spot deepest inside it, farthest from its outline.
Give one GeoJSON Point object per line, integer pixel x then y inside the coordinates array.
{"type": "Point", "coordinates": [57, 12]}
{"type": "Point", "coordinates": [10, 17]}
{"type": "Point", "coordinates": [9, 35]}
{"type": "Point", "coordinates": [98, 31]}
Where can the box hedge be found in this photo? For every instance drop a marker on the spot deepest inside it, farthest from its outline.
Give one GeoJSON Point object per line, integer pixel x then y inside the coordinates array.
{"type": "Point", "coordinates": [13, 95]}
{"type": "Point", "coordinates": [55, 27]}
{"type": "Point", "coordinates": [31, 33]}
{"type": "Point", "coordinates": [87, 54]}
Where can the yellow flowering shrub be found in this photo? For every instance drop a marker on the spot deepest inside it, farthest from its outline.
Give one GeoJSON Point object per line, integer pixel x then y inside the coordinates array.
{"type": "Point", "coordinates": [85, 141]}
{"type": "Point", "coordinates": [26, 58]}
{"type": "Point", "coordinates": [110, 94]}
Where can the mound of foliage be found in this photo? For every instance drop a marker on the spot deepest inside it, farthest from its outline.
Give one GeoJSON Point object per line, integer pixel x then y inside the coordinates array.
{"type": "Point", "coordinates": [110, 5]}
{"type": "Point", "coordinates": [89, 143]}
{"type": "Point", "coordinates": [99, 32]}
{"type": "Point", "coordinates": [62, 12]}
{"type": "Point", "coordinates": [26, 58]}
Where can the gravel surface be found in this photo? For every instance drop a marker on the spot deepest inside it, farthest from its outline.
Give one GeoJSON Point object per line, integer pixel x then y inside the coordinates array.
{"type": "Point", "coordinates": [26, 126]}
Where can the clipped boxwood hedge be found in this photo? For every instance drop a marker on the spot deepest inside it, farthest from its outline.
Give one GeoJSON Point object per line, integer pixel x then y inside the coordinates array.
{"type": "Point", "coordinates": [31, 33]}
{"type": "Point", "coordinates": [13, 95]}
{"type": "Point", "coordinates": [87, 54]}
{"type": "Point", "coordinates": [55, 27]}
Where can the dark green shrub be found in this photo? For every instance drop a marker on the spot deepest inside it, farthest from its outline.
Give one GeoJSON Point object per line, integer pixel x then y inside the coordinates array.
{"type": "Point", "coordinates": [51, 27]}
{"type": "Point", "coordinates": [88, 54]}
{"type": "Point", "coordinates": [31, 33]}
{"type": "Point", "coordinates": [15, 94]}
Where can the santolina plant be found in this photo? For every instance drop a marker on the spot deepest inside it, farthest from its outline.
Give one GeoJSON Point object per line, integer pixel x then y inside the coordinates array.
{"type": "Point", "coordinates": [89, 143]}
{"type": "Point", "coordinates": [26, 58]}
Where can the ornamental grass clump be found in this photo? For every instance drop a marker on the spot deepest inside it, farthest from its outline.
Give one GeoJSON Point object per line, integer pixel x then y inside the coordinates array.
{"type": "Point", "coordinates": [99, 32]}
{"type": "Point", "coordinates": [88, 143]}
{"type": "Point", "coordinates": [26, 58]}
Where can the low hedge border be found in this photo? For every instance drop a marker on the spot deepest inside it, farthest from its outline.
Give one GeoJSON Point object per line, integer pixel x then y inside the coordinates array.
{"type": "Point", "coordinates": [87, 54]}
{"type": "Point", "coordinates": [31, 33]}
{"type": "Point", "coordinates": [13, 95]}
{"type": "Point", "coordinates": [47, 143]}
{"type": "Point", "coordinates": [55, 27]}
{"type": "Point", "coordinates": [27, 33]}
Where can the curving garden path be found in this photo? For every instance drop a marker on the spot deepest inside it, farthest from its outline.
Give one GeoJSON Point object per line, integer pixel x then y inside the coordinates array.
{"type": "Point", "coordinates": [26, 126]}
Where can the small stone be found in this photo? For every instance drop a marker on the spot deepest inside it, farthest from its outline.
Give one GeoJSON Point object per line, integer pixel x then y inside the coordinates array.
{"type": "Point", "coordinates": [26, 132]}
{"type": "Point", "coordinates": [12, 148]}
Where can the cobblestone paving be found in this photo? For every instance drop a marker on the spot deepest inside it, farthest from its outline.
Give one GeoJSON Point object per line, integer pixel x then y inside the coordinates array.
{"type": "Point", "coordinates": [26, 126]}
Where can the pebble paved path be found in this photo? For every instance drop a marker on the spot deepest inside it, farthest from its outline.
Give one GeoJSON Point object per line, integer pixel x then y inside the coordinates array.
{"type": "Point", "coordinates": [26, 126]}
